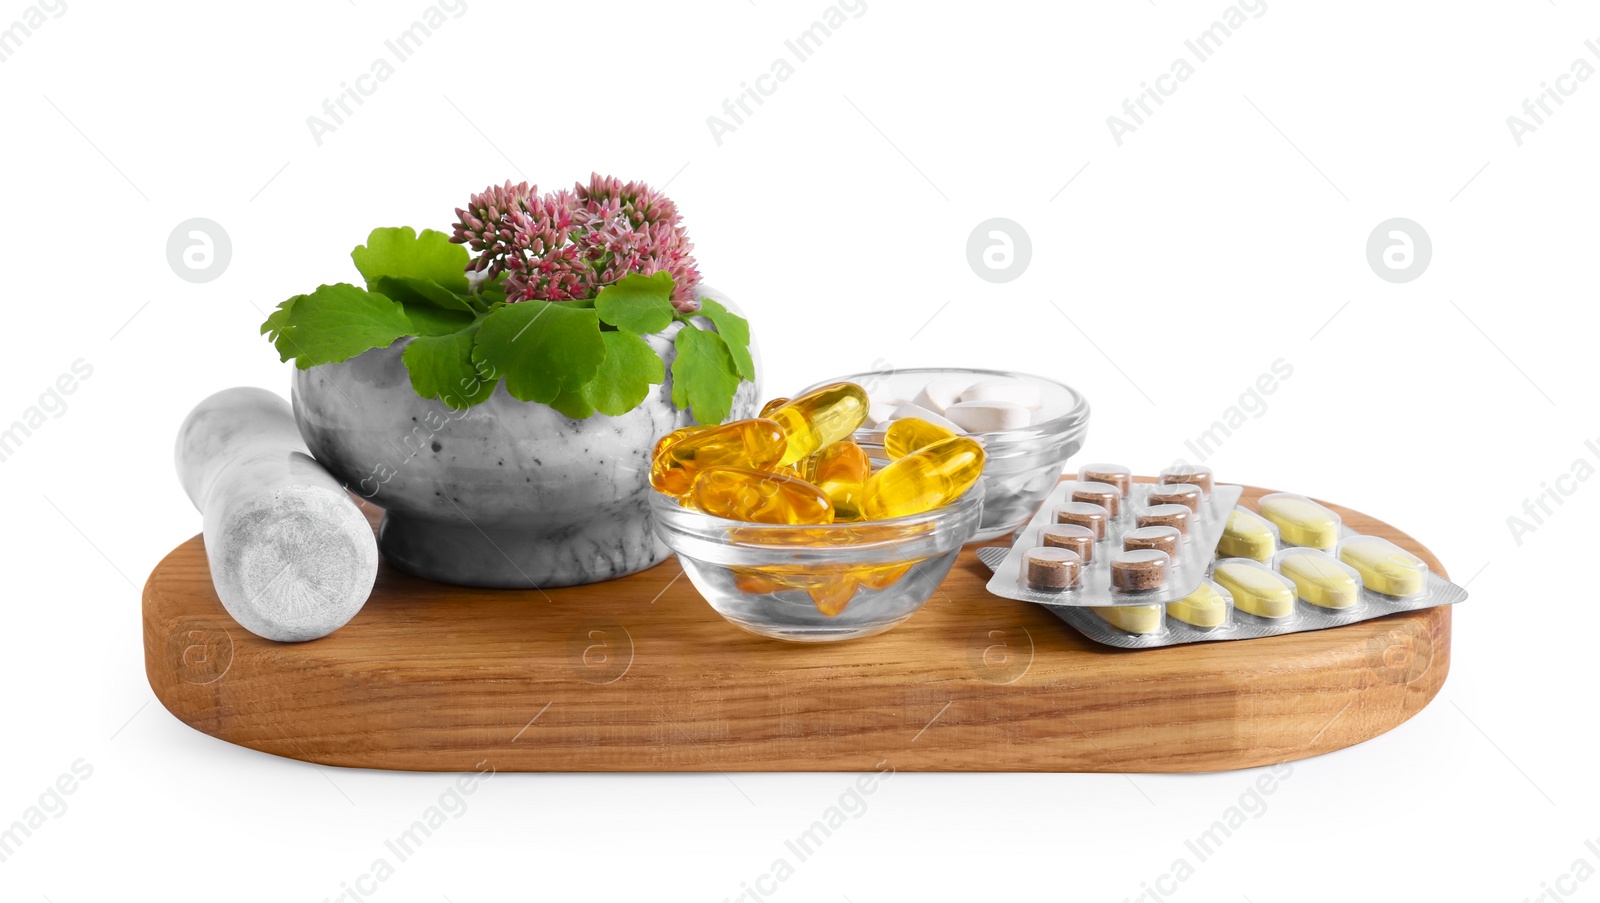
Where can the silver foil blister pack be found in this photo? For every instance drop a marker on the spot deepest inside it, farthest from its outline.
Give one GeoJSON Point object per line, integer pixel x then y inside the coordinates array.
{"type": "Point", "coordinates": [1094, 585]}
{"type": "Point", "coordinates": [1291, 568]}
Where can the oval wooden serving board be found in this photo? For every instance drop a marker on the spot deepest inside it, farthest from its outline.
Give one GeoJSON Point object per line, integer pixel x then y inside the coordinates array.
{"type": "Point", "coordinates": [639, 674]}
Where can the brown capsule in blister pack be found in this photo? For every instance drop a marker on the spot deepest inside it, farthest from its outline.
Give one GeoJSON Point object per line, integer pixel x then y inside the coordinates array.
{"type": "Point", "coordinates": [1052, 569]}
{"type": "Point", "coordinates": [1115, 474]}
{"type": "Point", "coordinates": [1085, 514]}
{"type": "Point", "coordinates": [1105, 495]}
{"type": "Point", "coordinates": [1139, 571]}
{"type": "Point", "coordinates": [1175, 516]}
{"type": "Point", "coordinates": [1186, 494]}
{"type": "Point", "coordinates": [1164, 538]}
{"type": "Point", "coordinates": [1078, 538]}
{"type": "Point", "coordinates": [1195, 474]}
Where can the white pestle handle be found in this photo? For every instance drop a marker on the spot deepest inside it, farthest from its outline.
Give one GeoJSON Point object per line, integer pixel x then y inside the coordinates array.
{"type": "Point", "coordinates": [292, 557]}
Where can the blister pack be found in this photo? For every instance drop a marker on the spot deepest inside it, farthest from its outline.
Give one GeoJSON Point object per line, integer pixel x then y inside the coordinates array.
{"type": "Point", "coordinates": [1104, 540]}
{"type": "Point", "coordinates": [1292, 568]}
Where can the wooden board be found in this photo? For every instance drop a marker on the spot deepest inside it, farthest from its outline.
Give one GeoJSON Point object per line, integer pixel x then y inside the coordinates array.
{"type": "Point", "coordinates": [639, 674]}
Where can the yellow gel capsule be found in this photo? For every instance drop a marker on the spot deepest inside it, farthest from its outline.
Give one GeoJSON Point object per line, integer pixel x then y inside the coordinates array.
{"type": "Point", "coordinates": [841, 470]}
{"type": "Point", "coordinates": [796, 470]}
{"type": "Point", "coordinates": [1256, 590]}
{"type": "Point", "coordinates": [754, 581]}
{"type": "Point", "coordinates": [752, 444]}
{"type": "Point", "coordinates": [908, 434]}
{"type": "Point", "coordinates": [761, 498]}
{"type": "Point", "coordinates": [772, 405]}
{"type": "Point", "coordinates": [1301, 521]}
{"type": "Point", "coordinates": [923, 480]}
{"type": "Point", "coordinates": [1319, 579]}
{"type": "Point", "coordinates": [820, 418]}
{"type": "Point", "coordinates": [1384, 567]}
{"type": "Point", "coordinates": [882, 576]}
{"type": "Point", "coordinates": [1246, 536]}
{"type": "Point", "coordinates": [1205, 607]}
{"type": "Point", "coordinates": [673, 438]}
{"type": "Point", "coordinates": [833, 593]}
{"type": "Point", "coordinates": [1132, 618]}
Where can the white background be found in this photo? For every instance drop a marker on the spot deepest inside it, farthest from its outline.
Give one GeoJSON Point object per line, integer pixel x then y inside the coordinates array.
{"type": "Point", "coordinates": [1227, 232]}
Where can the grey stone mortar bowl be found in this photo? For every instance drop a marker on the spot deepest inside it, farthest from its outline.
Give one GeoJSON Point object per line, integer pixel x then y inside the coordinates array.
{"type": "Point", "coordinates": [505, 494]}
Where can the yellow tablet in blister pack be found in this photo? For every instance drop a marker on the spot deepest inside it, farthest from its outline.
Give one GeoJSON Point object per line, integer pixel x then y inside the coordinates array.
{"type": "Point", "coordinates": [1206, 607]}
{"type": "Point", "coordinates": [1256, 588]}
{"type": "Point", "coordinates": [1265, 565]}
{"type": "Point", "coordinates": [1384, 567]}
{"type": "Point", "coordinates": [1132, 618]}
{"type": "Point", "coordinates": [1247, 535]}
{"type": "Point", "coordinates": [1319, 578]}
{"type": "Point", "coordinates": [1301, 521]}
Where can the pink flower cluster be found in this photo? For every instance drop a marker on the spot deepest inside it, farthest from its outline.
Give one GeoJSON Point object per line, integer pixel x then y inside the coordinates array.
{"type": "Point", "coordinates": [567, 245]}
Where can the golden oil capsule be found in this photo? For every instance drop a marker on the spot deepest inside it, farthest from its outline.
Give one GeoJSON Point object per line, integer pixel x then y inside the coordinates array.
{"type": "Point", "coordinates": [805, 468]}
{"type": "Point", "coordinates": [754, 581]}
{"type": "Point", "coordinates": [882, 576]}
{"type": "Point", "coordinates": [1131, 618]}
{"type": "Point", "coordinates": [772, 405]}
{"type": "Point", "coordinates": [755, 444]}
{"type": "Point", "coordinates": [908, 434]}
{"type": "Point", "coordinates": [1205, 607]}
{"type": "Point", "coordinates": [820, 418]}
{"type": "Point", "coordinates": [1247, 535]}
{"type": "Point", "coordinates": [1256, 590]}
{"type": "Point", "coordinates": [1384, 567]}
{"type": "Point", "coordinates": [796, 470]}
{"type": "Point", "coordinates": [1301, 521]}
{"type": "Point", "coordinates": [760, 497]}
{"type": "Point", "coordinates": [673, 438]}
{"type": "Point", "coordinates": [841, 470]}
{"type": "Point", "coordinates": [923, 480]}
{"type": "Point", "coordinates": [831, 594]}
{"type": "Point", "coordinates": [1319, 579]}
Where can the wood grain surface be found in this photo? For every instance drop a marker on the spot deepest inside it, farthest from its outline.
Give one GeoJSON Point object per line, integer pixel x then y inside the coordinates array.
{"type": "Point", "coordinates": [639, 674]}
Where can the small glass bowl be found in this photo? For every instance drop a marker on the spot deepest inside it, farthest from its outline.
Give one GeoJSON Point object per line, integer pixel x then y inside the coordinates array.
{"type": "Point", "coordinates": [780, 581]}
{"type": "Point", "coordinates": [1022, 464]}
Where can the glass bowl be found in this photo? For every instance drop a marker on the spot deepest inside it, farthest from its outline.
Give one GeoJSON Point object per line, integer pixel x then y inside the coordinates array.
{"type": "Point", "coordinates": [1022, 464]}
{"type": "Point", "coordinates": [818, 584]}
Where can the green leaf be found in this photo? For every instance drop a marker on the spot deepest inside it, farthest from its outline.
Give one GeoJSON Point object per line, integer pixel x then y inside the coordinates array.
{"type": "Point", "coordinates": [639, 304]}
{"type": "Point", "coordinates": [334, 323]}
{"type": "Point", "coordinates": [278, 320]}
{"type": "Point", "coordinates": [704, 376]}
{"type": "Point", "coordinates": [572, 403]}
{"type": "Point", "coordinates": [542, 348]}
{"type": "Point", "coordinates": [400, 251]}
{"type": "Point", "coordinates": [441, 367]}
{"type": "Point", "coordinates": [630, 368]}
{"type": "Point", "coordinates": [735, 330]}
{"type": "Point", "coordinates": [412, 291]}
{"type": "Point", "coordinates": [493, 291]}
{"type": "Point", "coordinates": [428, 320]}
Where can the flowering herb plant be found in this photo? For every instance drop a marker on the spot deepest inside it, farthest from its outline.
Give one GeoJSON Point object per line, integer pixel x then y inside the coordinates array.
{"type": "Point", "coordinates": [554, 298]}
